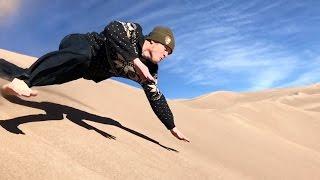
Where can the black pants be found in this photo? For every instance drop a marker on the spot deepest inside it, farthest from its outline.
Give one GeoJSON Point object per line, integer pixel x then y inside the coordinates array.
{"type": "Point", "coordinates": [69, 63]}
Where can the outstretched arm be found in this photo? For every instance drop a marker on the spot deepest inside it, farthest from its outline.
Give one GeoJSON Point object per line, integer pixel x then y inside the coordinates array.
{"type": "Point", "coordinates": [160, 107]}
{"type": "Point", "coordinates": [158, 104]}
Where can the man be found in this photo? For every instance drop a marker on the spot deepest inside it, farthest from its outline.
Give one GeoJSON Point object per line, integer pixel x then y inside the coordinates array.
{"type": "Point", "coordinates": [120, 50]}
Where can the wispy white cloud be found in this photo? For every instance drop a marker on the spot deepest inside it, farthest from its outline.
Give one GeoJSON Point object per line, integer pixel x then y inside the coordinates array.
{"type": "Point", "coordinates": [309, 76]}
{"type": "Point", "coordinates": [306, 78]}
{"type": "Point", "coordinates": [232, 43]}
{"type": "Point", "coordinates": [268, 77]}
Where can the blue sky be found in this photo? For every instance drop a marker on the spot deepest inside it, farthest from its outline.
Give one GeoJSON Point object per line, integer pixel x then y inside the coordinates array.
{"type": "Point", "coordinates": [229, 45]}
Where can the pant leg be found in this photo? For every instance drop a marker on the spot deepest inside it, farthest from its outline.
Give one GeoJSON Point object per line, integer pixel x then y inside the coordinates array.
{"type": "Point", "coordinates": [69, 63]}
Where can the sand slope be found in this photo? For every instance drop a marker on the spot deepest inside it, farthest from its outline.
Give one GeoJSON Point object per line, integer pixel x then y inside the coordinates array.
{"type": "Point", "coordinates": [84, 130]}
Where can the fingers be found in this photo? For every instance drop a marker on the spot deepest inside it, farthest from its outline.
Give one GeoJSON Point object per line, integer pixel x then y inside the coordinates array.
{"type": "Point", "coordinates": [146, 74]}
{"type": "Point", "coordinates": [186, 140]}
{"type": "Point", "coordinates": [34, 93]}
{"type": "Point", "coordinates": [143, 72]}
{"type": "Point", "coordinates": [182, 137]}
{"type": "Point", "coordinates": [150, 78]}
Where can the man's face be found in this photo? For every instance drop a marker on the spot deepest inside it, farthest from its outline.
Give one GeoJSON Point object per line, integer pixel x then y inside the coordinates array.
{"type": "Point", "coordinates": [158, 52]}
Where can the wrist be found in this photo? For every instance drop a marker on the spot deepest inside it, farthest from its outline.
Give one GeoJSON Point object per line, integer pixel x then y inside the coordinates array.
{"type": "Point", "coordinates": [173, 129]}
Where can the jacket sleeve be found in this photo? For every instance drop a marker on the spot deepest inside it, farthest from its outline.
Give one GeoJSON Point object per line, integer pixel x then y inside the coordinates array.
{"type": "Point", "coordinates": [123, 36]}
{"type": "Point", "coordinates": [158, 103]}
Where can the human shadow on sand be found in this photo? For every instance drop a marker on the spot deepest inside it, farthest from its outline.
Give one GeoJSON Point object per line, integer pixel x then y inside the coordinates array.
{"type": "Point", "coordinates": [56, 111]}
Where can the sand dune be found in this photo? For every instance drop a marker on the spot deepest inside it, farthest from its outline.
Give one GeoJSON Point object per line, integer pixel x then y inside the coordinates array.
{"type": "Point", "coordinates": [84, 130]}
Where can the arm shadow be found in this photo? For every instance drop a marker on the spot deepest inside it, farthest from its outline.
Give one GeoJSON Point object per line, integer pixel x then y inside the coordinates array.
{"type": "Point", "coordinates": [54, 111]}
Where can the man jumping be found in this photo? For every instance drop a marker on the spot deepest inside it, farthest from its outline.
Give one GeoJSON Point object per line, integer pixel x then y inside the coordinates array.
{"type": "Point", "coordinates": [120, 50]}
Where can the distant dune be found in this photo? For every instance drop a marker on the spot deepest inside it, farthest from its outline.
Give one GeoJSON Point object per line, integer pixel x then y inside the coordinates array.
{"type": "Point", "coordinates": [84, 130]}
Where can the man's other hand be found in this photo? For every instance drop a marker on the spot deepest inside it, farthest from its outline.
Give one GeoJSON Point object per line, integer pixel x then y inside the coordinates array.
{"type": "Point", "coordinates": [142, 70]}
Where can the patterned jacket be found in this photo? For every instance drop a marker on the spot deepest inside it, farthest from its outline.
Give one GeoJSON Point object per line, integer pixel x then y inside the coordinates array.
{"type": "Point", "coordinates": [115, 48]}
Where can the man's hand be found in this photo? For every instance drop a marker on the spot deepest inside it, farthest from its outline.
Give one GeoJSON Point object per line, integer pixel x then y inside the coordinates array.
{"type": "Point", "coordinates": [178, 134]}
{"type": "Point", "coordinates": [142, 70]}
